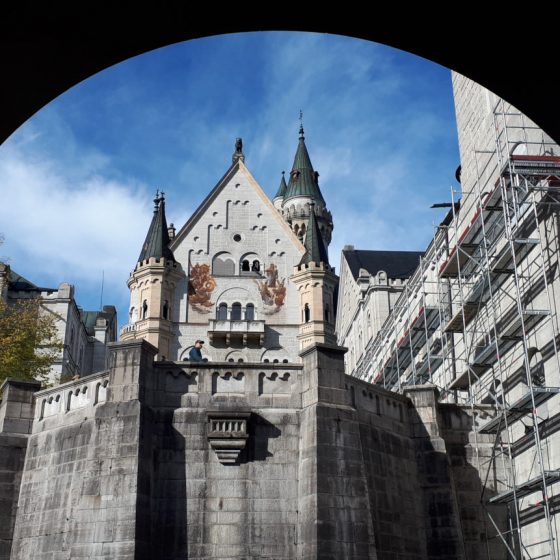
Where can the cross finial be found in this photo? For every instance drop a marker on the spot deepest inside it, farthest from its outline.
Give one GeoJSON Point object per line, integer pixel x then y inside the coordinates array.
{"type": "Point", "coordinates": [300, 123]}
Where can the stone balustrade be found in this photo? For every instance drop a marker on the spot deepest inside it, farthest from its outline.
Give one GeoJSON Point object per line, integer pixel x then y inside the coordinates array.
{"type": "Point", "coordinates": [84, 393]}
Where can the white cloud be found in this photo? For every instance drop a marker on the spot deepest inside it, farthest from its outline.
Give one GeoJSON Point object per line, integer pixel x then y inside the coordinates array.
{"type": "Point", "coordinates": [59, 229]}
{"type": "Point", "coordinates": [75, 207]}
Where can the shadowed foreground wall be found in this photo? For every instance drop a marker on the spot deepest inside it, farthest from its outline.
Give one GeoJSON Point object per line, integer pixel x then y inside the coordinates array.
{"type": "Point", "coordinates": [239, 460]}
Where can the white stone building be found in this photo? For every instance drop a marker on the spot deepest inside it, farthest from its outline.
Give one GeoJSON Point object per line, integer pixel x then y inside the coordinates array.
{"type": "Point", "coordinates": [478, 318]}
{"type": "Point", "coordinates": [85, 334]}
{"type": "Point", "coordinates": [224, 277]}
{"type": "Point", "coordinates": [370, 284]}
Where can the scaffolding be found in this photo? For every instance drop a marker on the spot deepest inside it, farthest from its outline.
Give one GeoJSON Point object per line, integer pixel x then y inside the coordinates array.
{"type": "Point", "coordinates": [478, 320]}
{"type": "Point", "coordinates": [499, 269]}
{"type": "Point", "coordinates": [411, 346]}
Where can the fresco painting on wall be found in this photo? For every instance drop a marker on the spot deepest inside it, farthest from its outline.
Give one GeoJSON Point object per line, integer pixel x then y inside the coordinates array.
{"type": "Point", "coordinates": [272, 290]}
{"type": "Point", "coordinates": [201, 286]}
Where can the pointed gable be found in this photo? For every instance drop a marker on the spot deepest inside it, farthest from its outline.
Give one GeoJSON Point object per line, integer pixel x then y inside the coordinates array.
{"type": "Point", "coordinates": [237, 171]}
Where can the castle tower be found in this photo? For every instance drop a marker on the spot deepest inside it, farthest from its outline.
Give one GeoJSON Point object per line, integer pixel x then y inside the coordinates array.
{"type": "Point", "coordinates": [315, 282]}
{"type": "Point", "coordinates": [278, 199]}
{"type": "Point", "coordinates": [302, 190]}
{"type": "Point", "coordinates": [152, 286]}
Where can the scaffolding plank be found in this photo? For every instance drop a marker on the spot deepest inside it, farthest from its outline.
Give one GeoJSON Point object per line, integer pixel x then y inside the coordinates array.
{"type": "Point", "coordinates": [408, 346]}
{"type": "Point", "coordinates": [456, 260]}
{"type": "Point", "coordinates": [520, 408]}
{"type": "Point", "coordinates": [456, 323]}
{"type": "Point", "coordinates": [531, 317]}
{"type": "Point", "coordinates": [461, 383]}
{"type": "Point", "coordinates": [502, 263]}
{"type": "Point", "coordinates": [526, 488]}
{"type": "Point", "coordinates": [426, 366]}
{"type": "Point", "coordinates": [534, 166]}
{"type": "Point", "coordinates": [488, 355]}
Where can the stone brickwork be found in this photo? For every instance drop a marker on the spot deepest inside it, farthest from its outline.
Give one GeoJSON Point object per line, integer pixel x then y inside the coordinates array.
{"type": "Point", "coordinates": [16, 419]}
{"type": "Point", "coordinates": [239, 460]}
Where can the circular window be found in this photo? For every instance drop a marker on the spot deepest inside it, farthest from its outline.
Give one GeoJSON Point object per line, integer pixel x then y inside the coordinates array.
{"type": "Point", "coordinates": [237, 237]}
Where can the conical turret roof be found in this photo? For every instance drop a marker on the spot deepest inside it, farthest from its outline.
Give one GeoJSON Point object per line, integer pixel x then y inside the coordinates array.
{"type": "Point", "coordinates": [304, 181]}
{"type": "Point", "coordinates": [315, 250]}
{"type": "Point", "coordinates": [282, 188]}
{"type": "Point", "coordinates": [157, 241]}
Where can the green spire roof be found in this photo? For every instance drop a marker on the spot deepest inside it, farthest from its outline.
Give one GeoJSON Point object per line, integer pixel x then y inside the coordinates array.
{"type": "Point", "coordinates": [157, 240]}
{"type": "Point", "coordinates": [303, 179]}
{"type": "Point", "coordinates": [282, 188]}
{"type": "Point", "coordinates": [315, 250]}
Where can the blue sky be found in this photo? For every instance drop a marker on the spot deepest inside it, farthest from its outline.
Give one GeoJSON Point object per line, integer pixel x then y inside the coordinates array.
{"type": "Point", "coordinates": [78, 178]}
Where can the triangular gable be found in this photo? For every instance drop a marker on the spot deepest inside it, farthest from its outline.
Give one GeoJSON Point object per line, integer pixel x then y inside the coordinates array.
{"type": "Point", "coordinates": [215, 192]}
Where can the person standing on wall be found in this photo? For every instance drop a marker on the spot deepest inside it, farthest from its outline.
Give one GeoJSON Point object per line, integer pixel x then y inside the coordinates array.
{"type": "Point", "coordinates": [195, 355]}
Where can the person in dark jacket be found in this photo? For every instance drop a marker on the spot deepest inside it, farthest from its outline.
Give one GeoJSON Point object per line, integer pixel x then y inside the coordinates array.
{"type": "Point", "coordinates": [195, 355]}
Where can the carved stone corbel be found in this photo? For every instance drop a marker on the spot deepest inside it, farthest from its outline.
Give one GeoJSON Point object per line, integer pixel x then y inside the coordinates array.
{"type": "Point", "coordinates": [227, 434]}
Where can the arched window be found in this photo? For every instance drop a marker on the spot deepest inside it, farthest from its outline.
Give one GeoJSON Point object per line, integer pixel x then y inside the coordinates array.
{"type": "Point", "coordinates": [369, 331]}
{"type": "Point", "coordinates": [145, 309]}
{"type": "Point", "coordinates": [236, 312]}
{"type": "Point", "coordinates": [222, 312]}
{"type": "Point", "coordinates": [256, 266]}
{"type": "Point", "coordinates": [306, 314]}
{"type": "Point", "coordinates": [250, 312]}
{"type": "Point", "coordinates": [165, 310]}
{"type": "Point", "coordinates": [245, 266]}
{"type": "Point", "coordinates": [131, 315]}
{"type": "Point", "coordinates": [327, 313]}
{"type": "Point", "coordinates": [223, 265]}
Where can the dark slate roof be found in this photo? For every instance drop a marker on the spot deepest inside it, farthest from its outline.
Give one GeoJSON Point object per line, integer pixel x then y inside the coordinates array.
{"type": "Point", "coordinates": [282, 188]}
{"type": "Point", "coordinates": [397, 264]}
{"type": "Point", "coordinates": [315, 250]}
{"type": "Point", "coordinates": [18, 283]}
{"type": "Point", "coordinates": [157, 241]}
{"type": "Point", "coordinates": [89, 318]}
{"type": "Point", "coordinates": [303, 180]}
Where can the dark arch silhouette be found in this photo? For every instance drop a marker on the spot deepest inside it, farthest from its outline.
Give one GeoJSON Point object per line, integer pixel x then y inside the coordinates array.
{"type": "Point", "coordinates": [47, 48]}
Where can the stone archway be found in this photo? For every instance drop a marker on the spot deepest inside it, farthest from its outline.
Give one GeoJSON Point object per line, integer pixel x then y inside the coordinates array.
{"type": "Point", "coordinates": [46, 48]}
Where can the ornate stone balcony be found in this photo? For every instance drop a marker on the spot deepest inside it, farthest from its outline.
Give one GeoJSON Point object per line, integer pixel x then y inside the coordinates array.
{"type": "Point", "coordinates": [128, 329]}
{"type": "Point", "coordinates": [236, 331]}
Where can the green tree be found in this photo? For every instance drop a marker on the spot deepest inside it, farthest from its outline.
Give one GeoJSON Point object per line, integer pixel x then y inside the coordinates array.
{"type": "Point", "coordinates": [29, 343]}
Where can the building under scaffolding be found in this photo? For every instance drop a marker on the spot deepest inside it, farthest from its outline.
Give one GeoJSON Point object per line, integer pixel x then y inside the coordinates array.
{"type": "Point", "coordinates": [479, 319]}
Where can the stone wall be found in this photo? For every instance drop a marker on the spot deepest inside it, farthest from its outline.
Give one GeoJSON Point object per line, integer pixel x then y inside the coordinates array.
{"type": "Point", "coordinates": [238, 460]}
{"type": "Point", "coordinates": [16, 418]}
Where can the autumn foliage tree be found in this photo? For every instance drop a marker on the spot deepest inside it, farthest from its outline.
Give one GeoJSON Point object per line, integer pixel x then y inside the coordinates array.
{"type": "Point", "coordinates": [29, 343]}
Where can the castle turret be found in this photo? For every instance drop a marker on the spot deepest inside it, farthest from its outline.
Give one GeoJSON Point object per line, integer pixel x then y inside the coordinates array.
{"type": "Point", "coordinates": [152, 285]}
{"type": "Point", "coordinates": [303, 190]}
{"type": "Point", "coordinates": [316, 282]}
{"type": "Point", "coordinates": [278, 199]}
